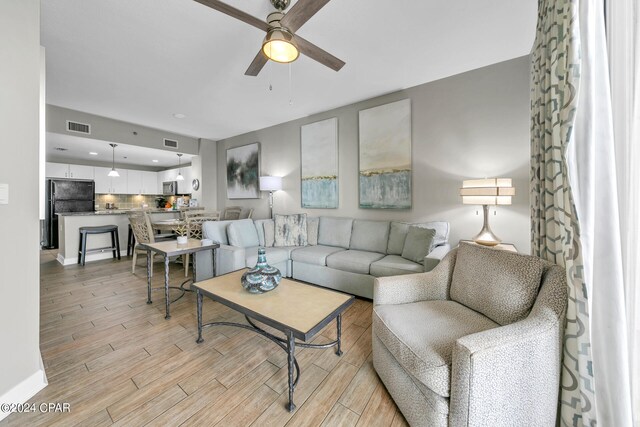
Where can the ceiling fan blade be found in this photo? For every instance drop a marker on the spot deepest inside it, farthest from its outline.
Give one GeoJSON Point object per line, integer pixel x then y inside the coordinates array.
{"type": "Point", "coordinates": [317, 54]}
{"type": "Point", "coordinates": [235, 13]}
{"type": "Point", "coordinates": [301, 12]}
{"type": "Point", "coordinates": [256, 65]}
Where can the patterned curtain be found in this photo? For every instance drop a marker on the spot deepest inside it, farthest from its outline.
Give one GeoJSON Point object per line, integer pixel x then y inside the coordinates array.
{"type": "Point", "coordinates": [555, 72]}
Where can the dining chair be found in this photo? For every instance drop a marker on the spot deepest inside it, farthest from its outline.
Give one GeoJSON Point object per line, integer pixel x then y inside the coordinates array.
{"type": "Point", "coordinates": [194, 230]}
{"type": "Point", "coordinates": [231, 212]}
{"type": "Point", "coordinates": [248, 213]}
{"type": "Point", "coordinates": [143, 233]}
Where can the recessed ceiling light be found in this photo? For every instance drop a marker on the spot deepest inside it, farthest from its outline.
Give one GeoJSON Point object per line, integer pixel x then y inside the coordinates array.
{"type": "Point", "coordinates": [93, 153]}
{"type": "Point", "coordinates": [179, 115]}
{"type": "Point", "coordinates": [154, 161]}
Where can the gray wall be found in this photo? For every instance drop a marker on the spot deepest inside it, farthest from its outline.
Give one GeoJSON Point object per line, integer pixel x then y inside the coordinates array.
{"type": "Point", "coordinates": [208, 194]}
{"type": "Point", "coordinates": [19, 224]}
{"type": "Point", "coordinates": [472, 125]}
{"type": "Point", "coordinates": [111, 130]}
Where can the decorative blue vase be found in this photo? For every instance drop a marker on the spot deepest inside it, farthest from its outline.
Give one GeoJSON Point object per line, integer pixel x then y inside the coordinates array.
{"type": "Point", "coordinates": [261, 278]}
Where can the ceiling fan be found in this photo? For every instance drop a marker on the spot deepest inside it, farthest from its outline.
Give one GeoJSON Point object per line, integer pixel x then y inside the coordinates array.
{"type": "Point", "coordinates": [281, 44]}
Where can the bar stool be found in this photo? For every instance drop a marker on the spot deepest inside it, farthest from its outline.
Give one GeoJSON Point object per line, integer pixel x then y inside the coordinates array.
{"type": "Point", "coordinates": [100, 229]}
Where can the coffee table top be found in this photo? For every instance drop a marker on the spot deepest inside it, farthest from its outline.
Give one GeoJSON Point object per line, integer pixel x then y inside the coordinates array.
{"type": "Point", "coordinates": [172, 248]}
{"type": "Point", "coordinates": [301, 308]}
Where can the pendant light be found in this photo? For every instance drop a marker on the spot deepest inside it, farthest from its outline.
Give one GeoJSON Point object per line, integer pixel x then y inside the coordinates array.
{"type": "Point", "coordinates": [179, 177]}
{"type": "Point", "coordinates": [113, 172]}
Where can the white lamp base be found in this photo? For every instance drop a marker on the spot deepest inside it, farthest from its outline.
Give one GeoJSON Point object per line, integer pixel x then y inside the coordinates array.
{"type": "Point", "coordinates": [485, 236]}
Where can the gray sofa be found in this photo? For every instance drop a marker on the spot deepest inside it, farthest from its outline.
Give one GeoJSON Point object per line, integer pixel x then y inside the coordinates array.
{"type": "Point", "coordinates": [342, 253]}
{"type": "Point", "coordinates": [477, 341]}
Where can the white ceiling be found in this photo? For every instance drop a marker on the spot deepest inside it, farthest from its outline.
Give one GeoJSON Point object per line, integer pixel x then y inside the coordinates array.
{"type": "Point", "coordinates": [78, 148]}
{"type": "Point", "coordinates": [142, 61]}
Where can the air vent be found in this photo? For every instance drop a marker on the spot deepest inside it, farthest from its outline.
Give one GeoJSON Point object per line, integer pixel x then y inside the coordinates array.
{"type": "Point", "coordinates": [61, 149]}
{"type": "Point", "coordinates": [78, 127]}
{"type": "Point", "coordinates": [171, 143]}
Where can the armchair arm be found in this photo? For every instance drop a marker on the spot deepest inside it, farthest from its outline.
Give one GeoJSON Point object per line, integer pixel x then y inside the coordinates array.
{"type": "Point", "coordinates": [407, 288]}
{"type": "Point", "coordinates": [508, 375]}
{"type": "Point", "coordinates": [434, 257]}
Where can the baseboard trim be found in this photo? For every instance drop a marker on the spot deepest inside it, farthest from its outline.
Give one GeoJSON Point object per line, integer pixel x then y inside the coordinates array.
{"type": "Point", "coordinates": [90, 257]}
{"type": "Point", "coordinates": [25, 390]}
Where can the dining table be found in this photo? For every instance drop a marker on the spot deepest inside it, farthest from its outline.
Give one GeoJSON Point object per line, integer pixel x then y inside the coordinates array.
{"type": "Point", "coordinates": [169, 225]}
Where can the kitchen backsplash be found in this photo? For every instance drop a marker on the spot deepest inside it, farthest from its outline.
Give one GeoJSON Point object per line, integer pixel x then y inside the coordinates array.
{"type": "Point", "coordinates": [131, 201]}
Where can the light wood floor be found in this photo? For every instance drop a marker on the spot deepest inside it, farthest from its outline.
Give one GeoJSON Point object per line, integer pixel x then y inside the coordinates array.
{"type": "Point", "coordinates": [116, 360]}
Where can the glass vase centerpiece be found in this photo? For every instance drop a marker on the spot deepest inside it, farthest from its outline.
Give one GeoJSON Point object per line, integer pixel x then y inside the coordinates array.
{"type": "Point", "coordinates": [261, 278]}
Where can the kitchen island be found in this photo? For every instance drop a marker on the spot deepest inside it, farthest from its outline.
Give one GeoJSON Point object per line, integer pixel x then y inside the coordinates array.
{"type": "Point", "coordinates": [70, 222]}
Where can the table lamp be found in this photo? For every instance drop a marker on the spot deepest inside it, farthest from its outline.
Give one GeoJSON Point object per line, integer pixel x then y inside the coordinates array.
{"type": "Point", "coordinates": [485, 192]}
{"type": "Point", "coordinates": [270, 184]}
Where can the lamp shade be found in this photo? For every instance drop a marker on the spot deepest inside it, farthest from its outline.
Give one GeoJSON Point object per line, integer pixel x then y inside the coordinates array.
{"type": "Point", "coordinates": [270, 183]}
{"type": "Point", "coordinates": [492, 191]}
{"type": "Point", "coordinates": [279, 46]}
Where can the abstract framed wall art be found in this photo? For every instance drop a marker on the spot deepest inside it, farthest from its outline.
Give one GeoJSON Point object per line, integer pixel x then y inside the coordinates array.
{"type": "Point", "coordinates": [243, 172]}
{"type": "Point", "coordinates": [385, 156]}
{"type": "Point", "coordinates": [319, 164]}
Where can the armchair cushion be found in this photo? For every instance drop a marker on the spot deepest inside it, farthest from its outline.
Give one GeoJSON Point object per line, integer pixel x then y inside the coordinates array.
{"type": "Point", "coordinates": [499, 284]}
{"type": "Point", "coordinates": [422, 335]}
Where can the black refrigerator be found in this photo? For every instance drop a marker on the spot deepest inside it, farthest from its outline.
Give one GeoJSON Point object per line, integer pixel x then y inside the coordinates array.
{"type": "Point", "coordinates": [65, 195]}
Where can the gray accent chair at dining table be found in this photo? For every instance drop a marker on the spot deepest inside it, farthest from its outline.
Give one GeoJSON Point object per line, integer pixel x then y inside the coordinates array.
{"type": "Point", "coordinates": [477, 341]}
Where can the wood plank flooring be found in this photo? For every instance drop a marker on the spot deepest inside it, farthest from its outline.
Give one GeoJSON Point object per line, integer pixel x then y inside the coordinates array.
{"type": "Point", "coordinates": [117, 361]}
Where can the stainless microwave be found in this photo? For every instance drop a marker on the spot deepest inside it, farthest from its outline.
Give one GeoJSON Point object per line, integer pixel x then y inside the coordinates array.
{"type": "Point", "coordinates": [170, 188]}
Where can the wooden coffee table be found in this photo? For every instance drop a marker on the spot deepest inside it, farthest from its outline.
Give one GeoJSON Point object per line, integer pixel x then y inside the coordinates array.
{"type": "Point", "coordinates": [296, 309]}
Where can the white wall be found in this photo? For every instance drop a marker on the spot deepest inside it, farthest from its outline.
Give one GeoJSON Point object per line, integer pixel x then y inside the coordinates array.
{"type": "Point", "coordinates": [208, 161]}
{"type": "Point", "coordinates": [20, 375]}
{"type": "Point", "coordinates": [472, 125]}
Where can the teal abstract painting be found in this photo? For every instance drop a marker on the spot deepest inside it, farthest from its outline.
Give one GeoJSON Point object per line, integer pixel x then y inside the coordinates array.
{"type": "Point", "coordinates": [385, 156]}
{"type": "Point", "coordinates": [319, 164]}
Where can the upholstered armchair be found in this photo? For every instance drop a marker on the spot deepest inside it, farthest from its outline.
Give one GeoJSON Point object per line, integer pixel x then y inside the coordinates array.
{"type": "Point", "coordinates": [477, 341]}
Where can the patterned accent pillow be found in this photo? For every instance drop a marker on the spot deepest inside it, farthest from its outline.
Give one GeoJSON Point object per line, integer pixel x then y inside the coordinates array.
{"type": "Point", "coordinates": [291, 230]}
{"type": "Point", "coordinates": [501, 285]}
{"type": "Point", "coordinates": [418, 244]}
{"type": "Point", "coordinates": [312, 230]}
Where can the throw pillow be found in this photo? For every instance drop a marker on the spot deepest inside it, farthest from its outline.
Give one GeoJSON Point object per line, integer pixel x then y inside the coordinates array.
{"type": "Point", "coordinates": [397, 236]}
{"type": "Point", "coordinates": [312, 230]}
{"type": "Point", "coordinates": [418, 244]}
{"type": "Point", "coordinates": [291, 230]}
{"type": "Point", "coordinates": [269, 233]}
{"type": "Point", "coordinates": [243, 234]}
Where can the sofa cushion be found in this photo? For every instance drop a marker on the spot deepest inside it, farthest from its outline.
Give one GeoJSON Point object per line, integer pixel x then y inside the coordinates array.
{"type": "Point", "coordinates": [312, 230]}
{"type": "Point", "coordinates": [274, 256]}
{"type": "Point", "coordinates": [334, 231]}
{"type": "Point", "coordinates": [290, 230]}
{"type": "Point", "coordinates": [316, 255]}
{"type": "Point", "coordinates": [261, 226]}
{"type": "Point", "coordinates": [394, 265]}
{"type": "Point", "coordinates": [242, 233]}
{"type": "Point", "coordinates": [397, 235]}
{"type": "Point", "coordinates": [421, 336]}
{"type": "Point", "coordinates": [216, 231]}
{"type": "Point", "coordinates": [353, 261]}
{"type": "Point", "coordinates": [418, 244]}
{"type": "Point", "coordinates": [371, 236]}
{"type": "Point", "coordinates": [502, 285]}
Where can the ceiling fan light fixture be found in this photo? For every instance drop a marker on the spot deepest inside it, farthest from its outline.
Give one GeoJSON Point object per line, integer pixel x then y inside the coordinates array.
{"type": "Point", "coordinates": [279, 46]}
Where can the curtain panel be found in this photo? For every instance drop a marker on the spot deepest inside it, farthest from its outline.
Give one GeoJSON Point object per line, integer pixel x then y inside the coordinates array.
{"type": "Point", "coordinates": [555, 84]}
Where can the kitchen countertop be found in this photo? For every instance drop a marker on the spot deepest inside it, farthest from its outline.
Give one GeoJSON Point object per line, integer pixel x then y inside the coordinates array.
{"type": "Point", "coordinates": [123, 212]}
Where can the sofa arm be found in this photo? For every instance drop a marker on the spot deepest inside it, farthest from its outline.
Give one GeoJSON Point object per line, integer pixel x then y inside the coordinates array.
{"type": "Point", "coordinates": [435, 256]}
{"type": "Point", "coordinates": [507, 376]}
{"type": "Point", "coordinates": [407, 288]}
{"type": "Point", "coordinates": [230, 258]}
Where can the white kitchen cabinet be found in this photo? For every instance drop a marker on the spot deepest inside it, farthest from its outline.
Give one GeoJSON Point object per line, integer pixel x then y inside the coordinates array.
{"type": "Point", "coordinates": [102, 180]}
{"type": "Point", "coordinates": [150, 183]}
{"type": "Point", "coordinates": [119, 183]}
{"type": "Point", "coordinates": [184, 186]}
{"type": "Point", "coordinates": [134, 182]}
{"type": "Point", "coordinates": [57, 170]}
{"type": "Point", "coordinates": [81, 172]}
